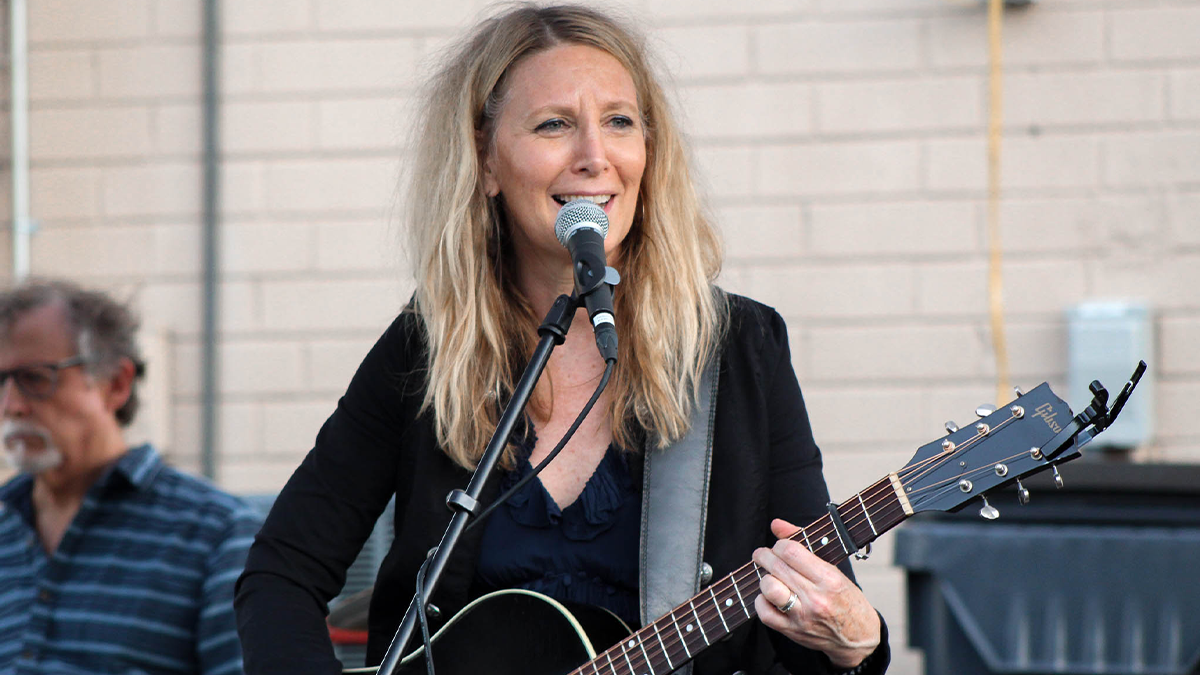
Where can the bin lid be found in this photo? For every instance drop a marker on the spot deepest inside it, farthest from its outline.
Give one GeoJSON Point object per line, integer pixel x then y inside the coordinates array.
{"type": "Point", "coordinates": [1035, 598]}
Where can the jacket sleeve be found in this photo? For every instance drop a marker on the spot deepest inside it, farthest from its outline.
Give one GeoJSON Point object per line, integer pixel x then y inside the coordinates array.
{"type": "Point", "coordinates": [326, 512]}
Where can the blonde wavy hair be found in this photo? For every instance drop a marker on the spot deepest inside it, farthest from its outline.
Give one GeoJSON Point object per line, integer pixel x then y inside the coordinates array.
{"type": "Point", "coordinates": [480, 331]}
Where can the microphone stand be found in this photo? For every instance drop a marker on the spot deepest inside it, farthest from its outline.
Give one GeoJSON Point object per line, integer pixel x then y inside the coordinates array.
{"type": "Point", "coordinates": [464, 504]}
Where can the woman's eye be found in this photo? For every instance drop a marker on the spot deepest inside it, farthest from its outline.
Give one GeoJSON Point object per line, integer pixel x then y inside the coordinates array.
{"type": "Point", "coordinates": [552, 125]}
{"type": "Point", "coordinates": [622, 122]}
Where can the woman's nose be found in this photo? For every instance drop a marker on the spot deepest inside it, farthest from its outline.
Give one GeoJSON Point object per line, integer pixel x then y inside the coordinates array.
{"type": "Point", "coordinates": [591, 151]}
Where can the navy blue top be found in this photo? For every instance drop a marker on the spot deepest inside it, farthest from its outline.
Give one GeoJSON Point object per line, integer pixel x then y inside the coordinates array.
{"type": "Point", "coordinates": [586, 553]}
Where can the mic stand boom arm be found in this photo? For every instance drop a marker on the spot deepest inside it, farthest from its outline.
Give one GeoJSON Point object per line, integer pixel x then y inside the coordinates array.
{"type": "Point", "coordinates": [464, 504]}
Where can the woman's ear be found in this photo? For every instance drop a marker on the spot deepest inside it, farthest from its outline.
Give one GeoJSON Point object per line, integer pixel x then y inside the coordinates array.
{"type": "Point", "coordinates": [491, 187]}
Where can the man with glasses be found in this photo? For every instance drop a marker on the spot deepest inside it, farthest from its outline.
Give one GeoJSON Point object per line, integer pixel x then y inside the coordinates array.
{"type": "Point", "coordinates": [110, 561]}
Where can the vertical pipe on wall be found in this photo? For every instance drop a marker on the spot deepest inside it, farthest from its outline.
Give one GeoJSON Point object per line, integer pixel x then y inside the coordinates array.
{"type": "Point", "coordinates": [211, 213]}
{"type": "Point", "coordinates": [19, 104]}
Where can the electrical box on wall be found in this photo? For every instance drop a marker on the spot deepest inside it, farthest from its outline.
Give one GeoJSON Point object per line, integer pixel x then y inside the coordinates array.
{"type": "Point", "coordinates": [1105, 342]}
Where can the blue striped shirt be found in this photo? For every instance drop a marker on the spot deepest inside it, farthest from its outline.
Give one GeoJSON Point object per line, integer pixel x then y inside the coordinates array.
{"type": "Point", "coordinates": [142, 581]}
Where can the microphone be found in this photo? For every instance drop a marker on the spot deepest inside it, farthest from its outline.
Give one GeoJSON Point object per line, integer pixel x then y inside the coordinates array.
{"type": "Point", "coordinates": [581, 226]}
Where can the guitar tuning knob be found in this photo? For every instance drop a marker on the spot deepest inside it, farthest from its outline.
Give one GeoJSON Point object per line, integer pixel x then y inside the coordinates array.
{"type": "Point", "coordinates": [1018, 392]}
{"type": "Point", "coordinates": [863, 553]}
{"type": "Point", "coordinates": [1022, 493]}
{"type": "Point", "coordinates": [988, 511]}
{"type": "Point", "coordinates": [985, 410]}
{"type": "Point", "coordinates": [1058, 481]}
{"type": "Point", "coordinates": [951, 427]}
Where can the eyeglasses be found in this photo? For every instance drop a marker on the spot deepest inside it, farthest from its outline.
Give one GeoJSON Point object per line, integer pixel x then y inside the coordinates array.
{"type": "Point", "coordinates": [38, 380]}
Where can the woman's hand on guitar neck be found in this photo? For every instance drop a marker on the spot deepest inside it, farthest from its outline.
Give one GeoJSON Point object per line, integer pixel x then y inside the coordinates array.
{"type": "Point", "coordinates": [829, 613]}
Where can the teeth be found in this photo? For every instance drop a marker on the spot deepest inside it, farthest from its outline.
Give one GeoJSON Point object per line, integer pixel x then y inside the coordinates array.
{"type": "Point", "coordinates": [595, 199]}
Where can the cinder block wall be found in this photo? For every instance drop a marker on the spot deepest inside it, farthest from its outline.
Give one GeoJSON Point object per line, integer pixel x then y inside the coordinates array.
{"type": "Point", "coordinates": [841, 144]}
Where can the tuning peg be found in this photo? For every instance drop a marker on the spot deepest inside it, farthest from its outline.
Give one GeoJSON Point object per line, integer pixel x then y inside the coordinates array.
{"type": "Point", "coordinates": [1018, 392]}
{"type": "Point", "coordinates": [951, 427]}
{"type": "Point", "coordinates": [1058, 481]}
{"type": "Point", "coordinates": [988, 511]}
{"type": "Point", "coordinates": [1022, 493]}
{"type": "Point", "coordinates": [863, 553]}
{"type": "Point", "coordinates": [985, 410]}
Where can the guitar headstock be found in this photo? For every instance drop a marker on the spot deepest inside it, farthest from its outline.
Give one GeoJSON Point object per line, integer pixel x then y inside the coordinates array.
{"type": "Point", "coordinates": [1034, 432]}
{"type": "Point", "coordinates": [999, 448]}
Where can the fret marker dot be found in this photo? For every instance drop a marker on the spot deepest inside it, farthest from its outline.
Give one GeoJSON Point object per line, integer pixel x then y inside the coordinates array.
{"type": "Point", "coordinates": [689, 628]}
{"type": "Point", "coordinates": [824, 540]}
{"type": "Point", "coordinates": [729, 602]}
{"type": "Point", "coordinates": [632, 644]}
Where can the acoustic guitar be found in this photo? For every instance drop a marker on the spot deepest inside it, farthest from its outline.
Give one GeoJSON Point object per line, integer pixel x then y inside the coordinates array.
{"type": "Point", "coordinates": [1034, 432]}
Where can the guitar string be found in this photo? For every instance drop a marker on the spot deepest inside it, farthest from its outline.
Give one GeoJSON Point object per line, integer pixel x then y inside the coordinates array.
{"type": "Point", "coordinates": [873, 495]}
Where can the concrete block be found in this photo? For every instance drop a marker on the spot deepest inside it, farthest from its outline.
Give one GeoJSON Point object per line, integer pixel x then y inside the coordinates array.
{"type": "Point", "coordinates": [290, 427]}
{"type": "Point", "coordinates": [149, 71]}
{"type": "Point", "coordinates": [897, 351]}
{"type": "Point", "coordinates": [255, 476]}
{"type": "Point", "coordinates": [166, 188]}
{"type": "Point", "coordinates": [1184, 87]}
{"type": "Point", "coordinates": [953, 288]}
{"type": "Point", "coordinates": [243, 189]}
{"type": "Point", "coordinates": [173, 305]}
{"type": "Point", "coordinates": [834, 291]}
{"type": "Point", "coordinates": [266, 247]}
{"type": "Point", "coordinates": [332, 363]}
{"type": "Point", "coordinates": [363, 123]}
{"type": "Point", "coordinates": [1183, 211]}
{"type": "Point", "coordinates": [369, 245]}
{"type": "Point", "coordinates": [178, 18]}
{"type": "Point", "coordinates": [911, 229]}
{"type": "Point", "coordinates": [1044, 287]}
{"type": "Point", "coordinates": [837, 168]}
{"type": "Point", "coordinates": [747, 110]}
{"type": "Point", "coordinates": [260, 367]}
{"type": "Point", "coordinates": [375, 15]}
{"type": "Point", "coordinates": [90, 133]}
{"type": "Point", "coordinates": [1067, 225]}
{"type": "Point", "coordinates": [240, 430]}
{"type": "Point", "coordinates": [838, 46]}
{"type": "Point", "coordinates": [1155, 33]}
{"type": "Point", "coordinates": [177, 130]}
{"type": "Point", "coordinates": [61, 75]}
{"type": "Point", "coordinates": [1025, 162]}
{"type": "Point", "coordinates": [267, 126]}
{"type": "Point", "coordinates": [1152, 158]}
{"type": "Point", "coordinates": [727, 171]}
{"type": "Point", "coordinates": [762, 231]}
{"type": "Point", "coordinates": [186, 377]}
{"type": "Point", "coordinates": [1037, 38]}
{"type": "Point", "coordinates": [696, 52]}
{"type": "Point", "coordinates": [184, 448]}
{"type": "Point", "coordinates": [1047, 99]}
{"type": "Point", "coordinates": [1176, 410]}
{"type": "Point", "coordinates": [864, 414]}
{"type": "Point", "coordinates": [88, 20]}
{"type": "Point", "coordinates": [1168, 277]}
{"type": "Point", "coordinates": [332, 304]}
{"type": "Point", "coordinates": [1179, 337]}
{"type": "Point", "coordinates": [709, 10]}
{"type": "Point", "coordinates": [64, 192]}
{"type": "Point", "coordinates": [178, 250]}
{"type": "Point", "coordinates": [901, 105]}
{"type": "Point", "coordinates": [267, 18]}
{"type": "Point", "coordinates": [366, 184]}
{"type": "Point", "coordinates": [311, 66]}
{"type": "Point", "coordinates": [1037, 350]}
{"type": "Point", "coordinates": [86, 251]}
{"type": "Point", "coordinates": [241, 69]}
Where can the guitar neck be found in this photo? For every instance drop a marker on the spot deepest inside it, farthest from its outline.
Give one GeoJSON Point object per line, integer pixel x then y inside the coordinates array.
{"type": "Point", "coordinates": [676, 638]}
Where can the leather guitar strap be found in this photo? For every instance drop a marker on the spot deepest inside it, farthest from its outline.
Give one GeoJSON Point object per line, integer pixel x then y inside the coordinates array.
{"type": "Point", "coordinates": [675, 508]}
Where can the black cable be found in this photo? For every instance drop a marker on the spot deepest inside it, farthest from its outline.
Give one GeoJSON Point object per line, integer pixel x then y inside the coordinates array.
{"type": "Point", "coordinates": [421, 604]}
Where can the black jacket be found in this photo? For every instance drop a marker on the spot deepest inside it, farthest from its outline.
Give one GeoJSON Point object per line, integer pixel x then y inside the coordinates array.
{"type": "Point", "coordinates": [765, 465]}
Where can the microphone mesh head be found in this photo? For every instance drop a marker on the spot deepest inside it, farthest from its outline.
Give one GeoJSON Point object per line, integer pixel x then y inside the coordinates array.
{"type": "Point", "coordinates": [576, 213]}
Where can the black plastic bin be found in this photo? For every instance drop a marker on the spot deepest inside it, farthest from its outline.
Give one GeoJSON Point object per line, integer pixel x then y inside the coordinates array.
{"type": "Point", "coordinates": [1102, 576]}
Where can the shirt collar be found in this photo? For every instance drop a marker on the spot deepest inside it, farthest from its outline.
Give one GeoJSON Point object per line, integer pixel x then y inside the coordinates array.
{"type": "Point", "coordinates": [137, 468]}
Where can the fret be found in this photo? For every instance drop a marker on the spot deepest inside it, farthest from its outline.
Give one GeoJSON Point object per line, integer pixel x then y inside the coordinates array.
{"type": "Point", "coordinates": [717, 604]}
{"type": "Point", "coordinates": [663, 646]}
{"type": "Point", "coordinates": [625, 655]}
{"type": "Point", "coordinates": [742, 600]}
{"type": "Point", "coordinates": [867, 514]}
{"type": "Point", "coordinates": [699, 623]}
{"type": "Point", "coordinates": [757, 571]}
{"type": "Point", "coordinates": [806, 541]}
{"type": "Point", "coordinates": [682, 637]}
{"type": "Point", "coordinates": [645, 655]}
{"type": "Point", "coordinates": [611, 667]}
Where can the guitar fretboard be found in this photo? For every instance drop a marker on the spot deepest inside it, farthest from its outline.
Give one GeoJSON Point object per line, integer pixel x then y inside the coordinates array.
{"type": "Point", "coordinates": [676, 638]}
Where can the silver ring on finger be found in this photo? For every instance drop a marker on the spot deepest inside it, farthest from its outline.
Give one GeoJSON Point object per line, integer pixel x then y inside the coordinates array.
{"type": "Point", "coordinates": [787, 607]}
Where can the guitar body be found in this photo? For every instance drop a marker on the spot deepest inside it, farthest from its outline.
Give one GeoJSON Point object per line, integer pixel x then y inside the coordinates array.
{"type": "Point", "coordinates": [518, 632]}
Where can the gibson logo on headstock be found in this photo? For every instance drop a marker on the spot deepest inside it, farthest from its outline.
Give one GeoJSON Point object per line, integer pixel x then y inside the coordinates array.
{"type": "Point", "coordinates": [1047, 413]}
